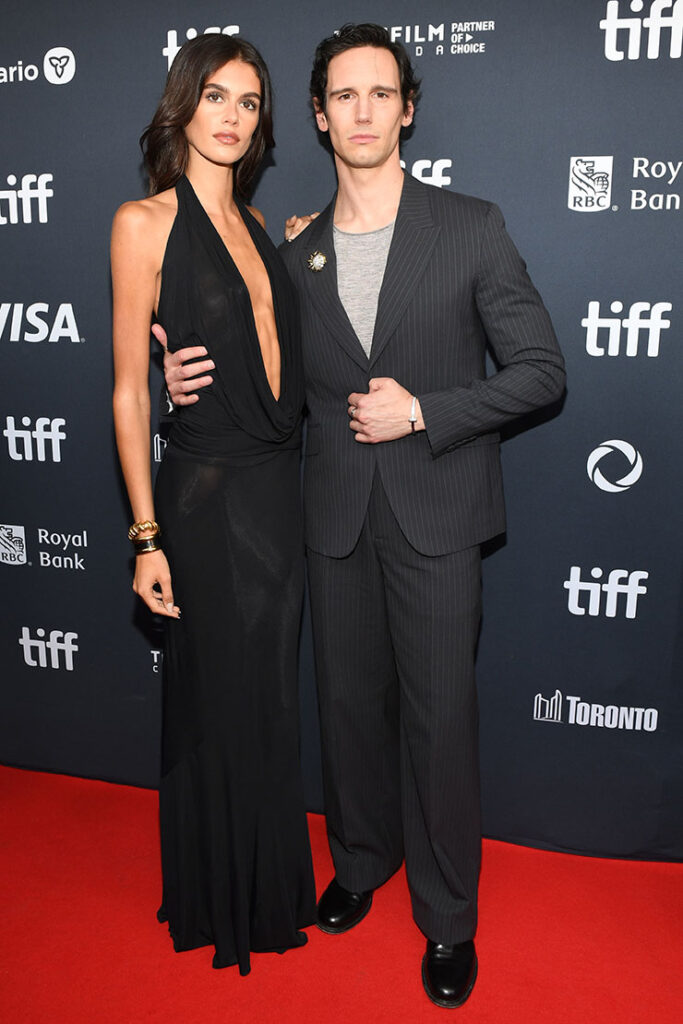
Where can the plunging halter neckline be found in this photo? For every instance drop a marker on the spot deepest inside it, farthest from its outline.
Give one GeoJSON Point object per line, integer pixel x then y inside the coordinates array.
{"type": "Point", "coordinates": [220, 241]}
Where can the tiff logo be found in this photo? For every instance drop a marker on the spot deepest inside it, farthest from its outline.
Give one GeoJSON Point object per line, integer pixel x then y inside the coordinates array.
{"type": "Point", "coordinates": [643, 318]}
{"type": "Point", "coordinates": [620, 582]}
{"type": "Point", "coordinates": [432, 172]}
{"type": "Point", "coordinates": [627, 30]}
{"type": "Point", "coordinates": [548, 709]}
{"type": "Point", "coordinates": [34, 188]}
{"type": "Point", "coordinates": [46, 432]}
{"type": "Point", "coordinates": [58, 643]}
{"type": "Point", "coordinates": [170, 51]}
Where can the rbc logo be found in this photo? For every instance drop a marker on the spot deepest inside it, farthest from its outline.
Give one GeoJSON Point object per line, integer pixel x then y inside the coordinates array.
{"type": "Point", "coordinates": [590, 183]}
{"type": "Point", "coordinates": [620, 582]}
{"type": "Point", "coordinates": [170, 51]}
{"type": "Point", "coordinates": [46, 432]}
{"type": "Point", "coordinates": [12, 545]}
{"type": "Point", "coordinates": [631, 29]}
{"type": "Point", "coordinates": [58, 643]}
{"type": "Point", "coordinates": [642, 317]}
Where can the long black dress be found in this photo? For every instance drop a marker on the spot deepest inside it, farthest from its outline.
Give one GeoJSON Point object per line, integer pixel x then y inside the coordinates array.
{"type": "Point", "coordinates": [236, 860]}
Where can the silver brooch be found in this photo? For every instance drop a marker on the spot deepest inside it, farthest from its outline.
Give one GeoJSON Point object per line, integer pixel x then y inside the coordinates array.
{"type": "Point", "coordinates": [317, 261]}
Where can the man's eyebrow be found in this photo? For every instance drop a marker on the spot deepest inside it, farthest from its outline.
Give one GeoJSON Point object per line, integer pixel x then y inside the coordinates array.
{"type": "Point", "coordinates": [375, 88]}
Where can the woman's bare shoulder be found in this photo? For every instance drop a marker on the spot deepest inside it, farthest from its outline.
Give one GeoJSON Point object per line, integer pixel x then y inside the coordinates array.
{"type": "Point", "coordinates": [145, 224]}
{"type": "Point", "coordinates": [151, 214]}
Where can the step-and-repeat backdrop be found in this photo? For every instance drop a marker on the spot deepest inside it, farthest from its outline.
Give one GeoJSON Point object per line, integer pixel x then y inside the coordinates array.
{"type": "Point", "coordinates": [566, 115]}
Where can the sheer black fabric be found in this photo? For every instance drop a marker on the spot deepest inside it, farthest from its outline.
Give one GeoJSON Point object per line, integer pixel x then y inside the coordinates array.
{"type": "Point", "coordinates": [235, 856]}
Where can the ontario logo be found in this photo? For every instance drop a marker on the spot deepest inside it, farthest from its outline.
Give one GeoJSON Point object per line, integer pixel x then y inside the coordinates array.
{"type": "Point", "coordinates": [601, 716]}
{"type": "Point", "coordinates": [12, 545]}
{"type": "Point", "coordinates": [59, 67]}
{"type": "Point", "coordinates": [590, 183]}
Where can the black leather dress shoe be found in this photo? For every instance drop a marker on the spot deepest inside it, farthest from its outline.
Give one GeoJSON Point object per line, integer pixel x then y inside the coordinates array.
{"type": "Point", "coordinates": [449, 972]}
{"type": "Point", "coordinates": [339, 909]}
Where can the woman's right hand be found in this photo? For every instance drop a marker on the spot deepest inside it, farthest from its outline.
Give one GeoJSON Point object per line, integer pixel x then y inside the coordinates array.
{"type": "Point", "coordinates": [152, 572]}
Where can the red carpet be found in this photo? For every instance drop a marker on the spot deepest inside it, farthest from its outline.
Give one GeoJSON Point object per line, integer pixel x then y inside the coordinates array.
{"type": "Point", "coordinates": [561, 938]}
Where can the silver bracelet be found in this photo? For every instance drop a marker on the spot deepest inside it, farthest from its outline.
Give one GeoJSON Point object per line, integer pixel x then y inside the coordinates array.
{"type": "Point", "coordinates": [412, 419]}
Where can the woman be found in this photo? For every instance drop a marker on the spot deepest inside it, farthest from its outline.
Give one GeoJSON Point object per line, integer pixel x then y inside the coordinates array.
{"type": "Point", "coordinates": [235, 856]}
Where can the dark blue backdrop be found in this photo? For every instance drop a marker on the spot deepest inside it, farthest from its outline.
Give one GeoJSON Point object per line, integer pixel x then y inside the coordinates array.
{"type": "Point", "coordinates": [565, 116]}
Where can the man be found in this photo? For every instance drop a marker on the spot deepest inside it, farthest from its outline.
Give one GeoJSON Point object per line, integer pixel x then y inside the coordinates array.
{"type": "Point", "coordinates": [401, 287]}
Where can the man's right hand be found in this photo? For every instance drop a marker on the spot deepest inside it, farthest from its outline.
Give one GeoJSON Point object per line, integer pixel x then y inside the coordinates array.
{"type": "Point", "coordinates": [182, 381]}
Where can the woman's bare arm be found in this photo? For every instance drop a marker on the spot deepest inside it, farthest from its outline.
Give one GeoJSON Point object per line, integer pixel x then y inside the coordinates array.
{"type": "Point", "coordinates": [137, 244]}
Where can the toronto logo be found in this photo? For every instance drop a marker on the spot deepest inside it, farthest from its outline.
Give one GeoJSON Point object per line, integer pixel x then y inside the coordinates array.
{"type": "Point", "coordinates": [601, 716]}
{"type": "Point", "coordinates": [607, 449]}
{"type": "Point", "coordinates": [12, 545]}
{"type": "Point", "coordinates": [548, 709]}
{"type": "Point", "coordinates": [590, 183]}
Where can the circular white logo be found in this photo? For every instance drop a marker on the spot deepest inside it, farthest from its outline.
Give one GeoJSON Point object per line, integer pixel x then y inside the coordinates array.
{"type": "Point", "coordinates": [635, 462]}
{"type": "Point", "coordinates": [59, 65]}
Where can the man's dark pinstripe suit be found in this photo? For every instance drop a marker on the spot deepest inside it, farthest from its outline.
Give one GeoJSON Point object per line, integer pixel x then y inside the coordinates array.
{"type": "Point", "coordinates": [393, 530]}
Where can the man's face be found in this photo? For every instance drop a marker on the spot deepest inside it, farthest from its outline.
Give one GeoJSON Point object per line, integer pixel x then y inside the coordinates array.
{"type": "Point", "coordinates": [364, 110]}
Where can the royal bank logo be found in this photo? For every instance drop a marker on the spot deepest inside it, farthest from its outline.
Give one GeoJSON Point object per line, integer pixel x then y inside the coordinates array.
{"type": "Point", "coordinates": [600, 716]}
{"type": "Point", "coordinates": [432, 172]}
{"type": "Point", "coordinates": [661, 28]}
{"type": "Point", "coordinates": [30, 197]}
{"type": "Point", "coordinates": [590, 183]}
{"type": "Point", "coordinates": [455, 37]}
{"type": "Point", "coordinates": [640, 330]}
{"type": "Point", "coordinates": [56, 550]}
{"type": "Point", "coordinates": [655, 174]}
{"type": "Point", "coordinates": [36, 321]}
{"type": "Point", "coordinates": [604, 454]}
{"type": "Point", "coordinates": [170, 51]}
{"type": "Point", "coordinates": [59, 68]}
{"type": "Point", "coordinates": [12, 545]}
{"type": "Point", "coordinates": [620, 590]}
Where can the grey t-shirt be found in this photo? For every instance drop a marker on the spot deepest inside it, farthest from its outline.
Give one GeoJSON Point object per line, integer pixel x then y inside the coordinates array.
{"type": "Point", "coordinates": [361, 260]}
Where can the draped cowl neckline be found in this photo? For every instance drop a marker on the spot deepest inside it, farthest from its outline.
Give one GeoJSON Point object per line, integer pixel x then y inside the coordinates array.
{"type": "Point", "coordinates": [209, 303]}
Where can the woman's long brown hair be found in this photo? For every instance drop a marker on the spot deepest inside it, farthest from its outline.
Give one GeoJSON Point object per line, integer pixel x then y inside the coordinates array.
{"type": "Point", "coordinates": [163, 142]}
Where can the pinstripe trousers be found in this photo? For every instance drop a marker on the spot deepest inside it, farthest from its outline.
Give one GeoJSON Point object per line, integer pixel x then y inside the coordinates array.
{"type": "Point", "coordinates": [394, 636]}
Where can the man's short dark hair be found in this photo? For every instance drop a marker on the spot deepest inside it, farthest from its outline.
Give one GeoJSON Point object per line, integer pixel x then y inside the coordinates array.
{"type": "Point", "coordinates": [349, 37]}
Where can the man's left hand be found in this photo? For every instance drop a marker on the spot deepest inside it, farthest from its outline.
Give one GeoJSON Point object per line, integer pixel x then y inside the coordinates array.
{"type": "Point", "coordinates": [383, 414]}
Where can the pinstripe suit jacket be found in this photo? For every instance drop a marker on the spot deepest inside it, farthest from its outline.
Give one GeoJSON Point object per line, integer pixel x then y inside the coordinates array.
{"type": "Point", "coordinates": [453, 282]}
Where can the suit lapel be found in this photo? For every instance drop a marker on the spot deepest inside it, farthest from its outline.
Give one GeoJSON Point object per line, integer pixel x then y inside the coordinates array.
{"type": "Point", "coordinates": [414, 238]}
{"type": "Point", "coordinates": [321, 286]}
